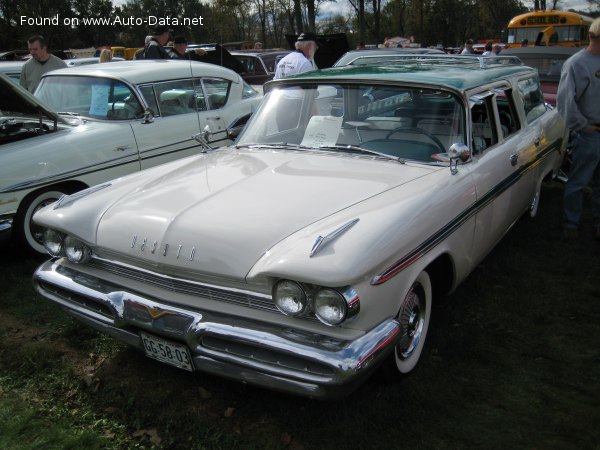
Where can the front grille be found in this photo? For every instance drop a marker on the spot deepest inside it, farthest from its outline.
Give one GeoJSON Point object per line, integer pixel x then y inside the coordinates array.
{"type": "Point", "coordinates": [187, 287]}
{"type": "Point", "coordinates": [87, 303]}
{"type": "Point", "coordinates": [266, 356]}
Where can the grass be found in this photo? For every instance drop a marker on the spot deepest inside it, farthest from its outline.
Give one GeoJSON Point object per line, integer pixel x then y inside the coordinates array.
{"type": "Point", "coordinates": [512, 361]}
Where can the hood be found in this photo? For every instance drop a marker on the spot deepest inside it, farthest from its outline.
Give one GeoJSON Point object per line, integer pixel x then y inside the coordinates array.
{"type": "Point", "coordinates": [221, 213]}
{"type": "Point", "coordinates": [216, 54]}
{"type": "Point", "coordinates": [17, 101]}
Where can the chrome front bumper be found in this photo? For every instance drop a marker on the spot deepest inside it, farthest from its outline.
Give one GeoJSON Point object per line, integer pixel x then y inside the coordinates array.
{"type": "Point", "coordinates": [264, 354]}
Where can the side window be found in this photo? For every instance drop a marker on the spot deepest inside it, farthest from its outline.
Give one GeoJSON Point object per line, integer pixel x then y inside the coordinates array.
{"type": "Point", "coordinates": [483, 130]}
{"type": "Point", "coordinates": [150, 97]}
{"type": "Point", "coordinates": [533, 99]}
{"type": "Point", "coordinates": [175, 97]}
{"type": "Point", "coordinates": [95, 97]}
{"type": "Point", "coordinates": [509, 120]}
{"type": "Point", "coordinates": [216, 91]}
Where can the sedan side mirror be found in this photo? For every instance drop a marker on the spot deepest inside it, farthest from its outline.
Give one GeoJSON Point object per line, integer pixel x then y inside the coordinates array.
{"type": "Point", "coordinates": [458, 152]}
{"type": "Point", "coordinates": [148, 116]}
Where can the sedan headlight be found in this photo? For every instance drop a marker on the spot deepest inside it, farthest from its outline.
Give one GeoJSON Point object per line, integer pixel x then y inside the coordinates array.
{"type": "Point", "coordinates": [330, 306]}
{"type": "Point", "coordinates": [290, 298]}
{"type": "Point", "coordinates": [53, 242]}
{"type": "Point", "coordinates": [76, 251]}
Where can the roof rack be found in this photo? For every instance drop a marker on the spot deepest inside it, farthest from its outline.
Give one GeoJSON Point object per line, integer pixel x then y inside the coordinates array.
{"type": "Point", "coordinates": [482, 62]}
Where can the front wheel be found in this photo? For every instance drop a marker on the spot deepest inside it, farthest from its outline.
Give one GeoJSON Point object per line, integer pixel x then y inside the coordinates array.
{"type": "Point", "coordinates": [414, 316]}
{"type": "Point", "coordinates": [31, 234]}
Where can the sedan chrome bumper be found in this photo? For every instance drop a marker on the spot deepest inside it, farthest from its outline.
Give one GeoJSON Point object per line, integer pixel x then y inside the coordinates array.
{"type": "Point", "coordinates": [261, 353]}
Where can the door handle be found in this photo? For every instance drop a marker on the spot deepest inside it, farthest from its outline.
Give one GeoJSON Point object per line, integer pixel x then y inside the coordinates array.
{"type": "Point", "coordinates": [514, 159]}
{"type": "Point", "coordinates": [121, 148]}
{"type": "Point", "coordinates": [213, 118]}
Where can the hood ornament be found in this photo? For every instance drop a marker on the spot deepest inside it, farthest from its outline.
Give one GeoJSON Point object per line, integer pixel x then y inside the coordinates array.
{"type": "Point", "coordinates": [323, 241]}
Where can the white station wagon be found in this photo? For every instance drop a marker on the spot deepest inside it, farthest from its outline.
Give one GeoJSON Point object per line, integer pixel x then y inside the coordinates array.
{"type": "Point", "coordinates": [308, 254]}
{"type": "Point", "coordinates": [93, 123]}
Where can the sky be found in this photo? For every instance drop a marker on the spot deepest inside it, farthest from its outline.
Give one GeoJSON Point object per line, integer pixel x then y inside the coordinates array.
{"type": "Point", "coordinates": [332, 8]}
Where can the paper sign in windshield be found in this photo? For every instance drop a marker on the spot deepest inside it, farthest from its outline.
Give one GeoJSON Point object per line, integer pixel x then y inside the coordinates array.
{"type": "Point", "coordinates": [322, 131]}
{"type": "Point", "coordinates": [99, 103]}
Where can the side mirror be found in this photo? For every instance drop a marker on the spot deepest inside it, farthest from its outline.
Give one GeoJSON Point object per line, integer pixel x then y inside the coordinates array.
{"type": "Point", "coordinates": [234, 130]}
{"type": "Point", "coordinates": [148, 116]}
{"type": "Point", "coordinates": [458, 152]}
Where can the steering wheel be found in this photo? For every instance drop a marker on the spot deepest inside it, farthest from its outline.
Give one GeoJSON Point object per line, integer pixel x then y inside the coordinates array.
{"type": "Point", "coordinates": [431, 136]}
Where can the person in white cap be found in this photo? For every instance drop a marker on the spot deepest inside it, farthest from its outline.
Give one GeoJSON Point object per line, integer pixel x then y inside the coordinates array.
{"type": "Point", "coordinates": [301, 60]}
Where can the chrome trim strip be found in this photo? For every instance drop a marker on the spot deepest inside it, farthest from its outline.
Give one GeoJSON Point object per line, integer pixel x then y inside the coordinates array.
{"type": "Point", "coordinates": [323, 241]}
{"type": "Point", "coordinates": [428, 244]}
{"type": "Point", "coordinates": [128, 159]}
{"type": "Point", "coordinates": [262, 353]}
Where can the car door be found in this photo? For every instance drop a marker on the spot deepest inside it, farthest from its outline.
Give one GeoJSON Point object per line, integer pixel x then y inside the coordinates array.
{"type": "Point", "coordinates": [183, 108]}
{"type": "Point", "coordinates": [501, 165]}
{"type": "Point", "coordinates": [168, 134]}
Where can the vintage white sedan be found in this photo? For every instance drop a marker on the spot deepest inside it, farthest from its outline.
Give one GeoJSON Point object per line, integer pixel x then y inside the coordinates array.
{"type": "Point", "coordinates": [93, 123]}
{"type": "Point", "coordinates": [308, 254]}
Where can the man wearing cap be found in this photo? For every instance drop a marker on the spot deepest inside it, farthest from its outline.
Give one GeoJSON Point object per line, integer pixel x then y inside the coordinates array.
{"type": "Point", "coordinates": [577, 103]}
{"type": "Point", "coordinates": [155, 50]}
{"type": "Point", "coordinates": [41, 62]}
{"type": "Point", "coordinates": [299, 61]}
{"type": "Point", "coordinates": [179, 48]}
{"type": "Point", "coordinates": [468, 50]}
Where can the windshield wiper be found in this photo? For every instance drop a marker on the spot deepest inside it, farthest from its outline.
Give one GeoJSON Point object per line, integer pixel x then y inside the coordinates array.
{"type": "Point", "coordinates": [354, 149]}
{"type": "Point", "coordinates": [345, 148]}
{"type": "Point", "coordinates": [276, 145]}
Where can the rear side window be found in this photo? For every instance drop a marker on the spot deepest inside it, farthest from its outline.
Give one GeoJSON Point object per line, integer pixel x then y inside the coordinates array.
{"type": "Point", "coordinates": [216, 91]}
{"type": "Point", "coordinates": [533, 99]}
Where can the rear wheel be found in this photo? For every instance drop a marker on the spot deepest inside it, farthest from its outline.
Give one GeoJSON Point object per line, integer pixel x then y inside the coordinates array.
{"type": "Point", "coordinates": [414, 316]}
{"type": "Point", "coordinates": [31, 234]}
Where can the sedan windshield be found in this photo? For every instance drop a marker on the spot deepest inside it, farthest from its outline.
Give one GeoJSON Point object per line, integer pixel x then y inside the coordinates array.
{"type": "Point", "coordinates": [403, 122]}
{"type": "Point", "coordinates": [94, 97]}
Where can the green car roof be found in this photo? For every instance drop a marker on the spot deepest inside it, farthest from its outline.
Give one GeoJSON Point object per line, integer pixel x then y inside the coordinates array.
{"type": "Point", "coordinates": [461, 76]}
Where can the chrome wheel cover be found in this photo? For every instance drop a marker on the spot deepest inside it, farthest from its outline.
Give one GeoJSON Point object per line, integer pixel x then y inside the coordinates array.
{"type": "Point", "coordinates": [412, 319]}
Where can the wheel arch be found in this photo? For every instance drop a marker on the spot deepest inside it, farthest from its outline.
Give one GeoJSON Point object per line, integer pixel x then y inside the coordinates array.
{"type": "Point", "coordinates": [68, 187]}
{"type": "Point", "coordinates": [441, 273]}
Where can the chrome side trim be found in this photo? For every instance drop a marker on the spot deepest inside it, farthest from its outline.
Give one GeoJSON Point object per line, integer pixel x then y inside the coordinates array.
{"type": "Point", "coordinates": [428, 244]}
{"type": "Point", "coordinates": [262, 353]}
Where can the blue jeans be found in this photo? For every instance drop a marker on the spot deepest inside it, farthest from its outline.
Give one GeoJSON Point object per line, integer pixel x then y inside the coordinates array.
{"type": "Point", "coordinates": [585, 167]}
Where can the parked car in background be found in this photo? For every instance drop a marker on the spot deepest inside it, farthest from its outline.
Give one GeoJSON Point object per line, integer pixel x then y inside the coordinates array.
{"type": "Point", "coordinates": [548, 61]}
{"type": "Point", "coordinates": [12, 69]}
{"type": "Point", "coordinates": [14, 55]}
{"type": "Point", "coordinates": [259, 66]}
{"type": "Point", "coordinates": [369, 57]}
{"type": "Point", "coordinates": [308, 254]}
{"type": "Point", "coordinates": [89, 124]}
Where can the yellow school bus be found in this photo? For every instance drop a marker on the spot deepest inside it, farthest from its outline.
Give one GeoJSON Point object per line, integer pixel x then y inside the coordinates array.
{"type": "Point", "coordinates": [542, 27]}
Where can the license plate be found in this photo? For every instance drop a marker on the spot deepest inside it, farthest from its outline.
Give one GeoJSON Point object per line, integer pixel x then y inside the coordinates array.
{"type": "Point", "coordinates": [169, 352]}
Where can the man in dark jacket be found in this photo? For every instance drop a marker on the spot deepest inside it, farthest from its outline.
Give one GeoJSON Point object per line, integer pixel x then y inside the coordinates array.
{"type": "Point", "coordinates": [155, 49]}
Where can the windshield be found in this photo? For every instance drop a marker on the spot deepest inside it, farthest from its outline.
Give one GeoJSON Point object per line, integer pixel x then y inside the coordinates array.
{"type": "Point", "coordinates": [97, 98]}
{"type": "Point", "coordinates": [403, 122]}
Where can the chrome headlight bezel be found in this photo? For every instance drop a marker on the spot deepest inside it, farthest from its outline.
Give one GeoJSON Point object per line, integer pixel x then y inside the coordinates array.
{"type": "Point", "coordinates": [54, 242]}
{"type": "Point", "coordinates": [76, 251]}
{"type": "Point", "coordinates": [290, 298]}
{"type": "Point", "coordinates": [330, 306]}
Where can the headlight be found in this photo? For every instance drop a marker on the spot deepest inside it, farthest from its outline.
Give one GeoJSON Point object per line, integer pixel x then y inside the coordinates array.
{"type": "Point", "coordinates": [53, 242]}
{"type": "Point", "coordinates": [76, 251]}
{"type": "Point", "coordinates": [330, 306]}
{"type": "Point", "coordinates": [290, 298]}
